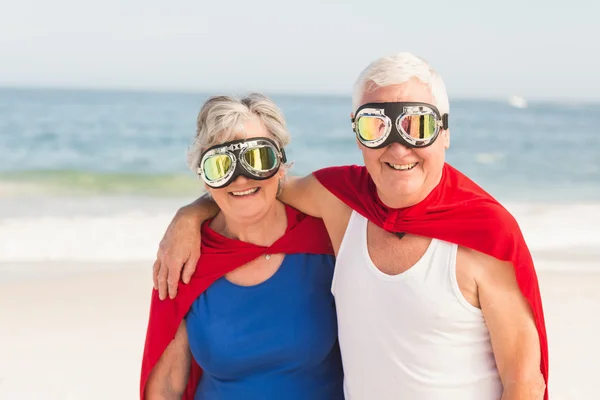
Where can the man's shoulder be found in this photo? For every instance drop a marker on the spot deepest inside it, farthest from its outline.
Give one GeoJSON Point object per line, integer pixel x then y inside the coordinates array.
{"type": "Point", "coordinates": [474, 256]}
{"type": "Point", "coordinates": [479, 265]}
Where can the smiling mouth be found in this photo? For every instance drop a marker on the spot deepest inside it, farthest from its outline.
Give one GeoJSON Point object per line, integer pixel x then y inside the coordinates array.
{"type": "Point", "coordinates": [248, 192]}
{"type": "Point", "coordinates": [402, 167]}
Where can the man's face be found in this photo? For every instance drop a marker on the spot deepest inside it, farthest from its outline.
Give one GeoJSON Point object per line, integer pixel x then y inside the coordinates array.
{"type": "Point", "coordinates": [398, 187]}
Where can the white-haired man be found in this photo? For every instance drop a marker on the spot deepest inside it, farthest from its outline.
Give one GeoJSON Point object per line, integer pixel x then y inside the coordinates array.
{"type": "Point", "coordinates": [435, 290]}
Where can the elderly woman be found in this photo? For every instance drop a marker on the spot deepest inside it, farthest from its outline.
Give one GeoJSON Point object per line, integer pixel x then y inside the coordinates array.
{"type": "Point", "coordinates": [258, 319]}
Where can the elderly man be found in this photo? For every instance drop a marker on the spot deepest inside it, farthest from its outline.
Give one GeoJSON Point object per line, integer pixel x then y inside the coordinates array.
{"type": "Point", "coordinates": [435, 289]}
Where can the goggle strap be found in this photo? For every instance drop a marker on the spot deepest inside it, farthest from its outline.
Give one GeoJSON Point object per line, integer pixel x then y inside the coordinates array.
{"type": "Point", "coordinates": [283, 156]}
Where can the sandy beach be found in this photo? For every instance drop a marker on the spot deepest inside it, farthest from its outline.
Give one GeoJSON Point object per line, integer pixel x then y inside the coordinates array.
{"type": "Point", "coordinates": [74, 337]}
{"type": "Point", "coordinates": [81, 336]}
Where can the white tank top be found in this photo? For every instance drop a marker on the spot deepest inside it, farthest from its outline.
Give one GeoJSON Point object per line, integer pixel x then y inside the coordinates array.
{"type": "Point", "coordinates": [412, 335]}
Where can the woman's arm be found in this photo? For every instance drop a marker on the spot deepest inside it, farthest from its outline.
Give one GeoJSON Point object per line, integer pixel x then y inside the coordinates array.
{"type": "Point", "coordinates": [169, 377]}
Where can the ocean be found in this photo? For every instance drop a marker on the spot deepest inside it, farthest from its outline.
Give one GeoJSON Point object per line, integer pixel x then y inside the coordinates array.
{"type": "Point", "coordinates": [94, 177]}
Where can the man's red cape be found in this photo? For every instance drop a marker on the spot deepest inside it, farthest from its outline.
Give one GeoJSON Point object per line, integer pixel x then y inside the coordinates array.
{"type": "Point", "coordinates": [456, 211]}
{"type": "Point", "coordinates": [221, 255]}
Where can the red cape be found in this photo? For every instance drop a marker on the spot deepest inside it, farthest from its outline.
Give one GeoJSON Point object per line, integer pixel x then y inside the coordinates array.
{"type": "Point", "coordinates": [456, 211]}
{"type": "Point", "coordinates": [221, 255]}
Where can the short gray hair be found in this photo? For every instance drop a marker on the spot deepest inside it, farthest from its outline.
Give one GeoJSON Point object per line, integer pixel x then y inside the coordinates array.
{"type": "Point", "coordinates": [396, 70]}
{"type": "Point", "coordinates": [221, 118]}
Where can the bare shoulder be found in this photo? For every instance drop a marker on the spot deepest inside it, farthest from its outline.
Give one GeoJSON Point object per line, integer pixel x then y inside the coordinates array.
{"type": "Point", "coordinates": [477, 272]}
{"type": "Point", "coordinates": [482, 267]}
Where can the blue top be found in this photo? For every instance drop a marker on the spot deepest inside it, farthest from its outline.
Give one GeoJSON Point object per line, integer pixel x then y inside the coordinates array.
{"type": "Point", "coordinates": [274, 340]}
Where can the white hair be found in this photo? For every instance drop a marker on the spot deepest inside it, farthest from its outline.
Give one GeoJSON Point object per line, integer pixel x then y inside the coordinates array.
{"type": "Point", "coordinates": [396, 70]}
{"type": "Point", "coordinates": [222, 118]}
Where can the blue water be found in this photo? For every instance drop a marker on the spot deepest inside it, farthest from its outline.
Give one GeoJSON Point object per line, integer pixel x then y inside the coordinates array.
{"type": "Point", "coordinates": [135, 143]}
{"type": "Point", "coordinates": [96, 176]}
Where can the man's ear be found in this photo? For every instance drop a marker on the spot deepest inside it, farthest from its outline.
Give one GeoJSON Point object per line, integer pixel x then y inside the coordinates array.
{"type": "Point", "coordinates": [446, 137]}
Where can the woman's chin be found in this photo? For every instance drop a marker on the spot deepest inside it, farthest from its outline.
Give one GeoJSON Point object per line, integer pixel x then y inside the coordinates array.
{"type": "Point", "coordinates": [248, 209]}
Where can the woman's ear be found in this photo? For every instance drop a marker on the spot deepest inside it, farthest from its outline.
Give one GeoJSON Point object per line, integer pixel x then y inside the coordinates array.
{"type": "Point", "coordinates": [282, 171]}
{"type": "Point", "coordinates": [208, 189]}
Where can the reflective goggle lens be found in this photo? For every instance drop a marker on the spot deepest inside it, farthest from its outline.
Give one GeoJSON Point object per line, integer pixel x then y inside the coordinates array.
{"type": "Point", "coordinates": [371, 128]}
{"type": "Point", "coordinates": [261, 158]}
{"type": "Point", "coordinates": [217, 166]}
{"type": "Point", "coordinates": [419, 127]}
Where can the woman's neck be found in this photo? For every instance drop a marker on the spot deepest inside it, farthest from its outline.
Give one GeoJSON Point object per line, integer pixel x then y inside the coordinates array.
{"type": "Point", "coordinates": [263, 231]}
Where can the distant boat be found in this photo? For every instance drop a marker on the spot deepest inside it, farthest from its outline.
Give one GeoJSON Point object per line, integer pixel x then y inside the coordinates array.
{"type": "Point", "coordinates": [517, 101]}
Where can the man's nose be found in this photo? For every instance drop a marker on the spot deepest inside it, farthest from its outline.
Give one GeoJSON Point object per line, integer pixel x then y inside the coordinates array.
{"type": "Point", "coordinates": [398, 150]}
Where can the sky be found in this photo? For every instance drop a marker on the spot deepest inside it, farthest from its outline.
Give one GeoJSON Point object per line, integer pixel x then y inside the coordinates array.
{"type": "Point", "coordinates": [536, 49]}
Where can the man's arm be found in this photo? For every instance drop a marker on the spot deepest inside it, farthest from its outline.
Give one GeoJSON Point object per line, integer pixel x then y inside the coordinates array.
{"type": "Point", "coordinates": [305, 194]}
{"type": "Point", "coordinates": [168, 379]}
{"type": "Point", "coordinates": [513, 333]}
{"type": "Point", "coordinates": [309, 196]}
{"type": "Point", "coordinates": [180, 246]}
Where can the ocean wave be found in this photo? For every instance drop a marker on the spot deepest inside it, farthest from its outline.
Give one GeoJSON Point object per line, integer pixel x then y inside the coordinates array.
{"type": "Point", "coordinates": [121, 237]}
{"type": "Point", "coordinates": [569, 228]}
{"type": "Point", "coordinates": [83, 233]}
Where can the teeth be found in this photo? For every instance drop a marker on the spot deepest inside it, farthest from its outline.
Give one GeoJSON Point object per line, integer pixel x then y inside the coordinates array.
{"type": "Point", "coordinates": [402, 167]}
{"type": "Point", "coordinates": [245, 192]}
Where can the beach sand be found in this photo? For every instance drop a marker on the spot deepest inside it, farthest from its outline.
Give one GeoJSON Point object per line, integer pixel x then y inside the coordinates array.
{"type": "Point", "coordinates": [82, 336]}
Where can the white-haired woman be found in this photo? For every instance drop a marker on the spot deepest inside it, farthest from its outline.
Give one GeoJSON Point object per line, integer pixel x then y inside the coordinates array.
{"type": "Point", "coordinates": [257, 320]}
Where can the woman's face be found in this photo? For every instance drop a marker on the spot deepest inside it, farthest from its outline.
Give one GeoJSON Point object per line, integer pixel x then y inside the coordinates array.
{"type": "Point", "coordinates": [247, 200]}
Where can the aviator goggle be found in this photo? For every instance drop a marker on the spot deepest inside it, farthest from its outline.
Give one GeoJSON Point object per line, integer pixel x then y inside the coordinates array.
{"type": "Point", "coordinates": [255, 158]}
{"type": "Point", "coordinates": [412, 124]}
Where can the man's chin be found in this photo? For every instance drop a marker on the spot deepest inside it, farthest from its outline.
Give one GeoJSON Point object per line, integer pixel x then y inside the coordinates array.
{"type": "Point", "coordinates": [401, 185]}
{"type": "Point", "coordinates": [395, 193]}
